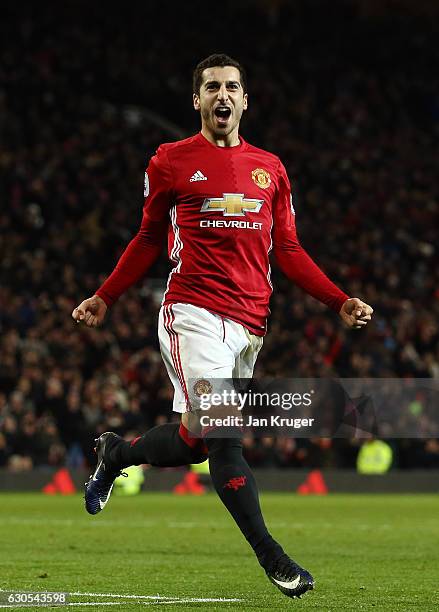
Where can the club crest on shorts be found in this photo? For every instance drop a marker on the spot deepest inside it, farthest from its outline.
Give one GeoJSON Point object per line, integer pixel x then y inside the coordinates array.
{"type": "Point", "coordinates": [202, 387]}
{"type": "Point", "coordinates": [261, 177]}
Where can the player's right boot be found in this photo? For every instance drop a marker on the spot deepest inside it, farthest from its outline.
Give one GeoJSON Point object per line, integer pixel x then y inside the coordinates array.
{"type": "Point", "coordinates": [291, 579]}
{"type": "Point", "coordinates": [100, 484]}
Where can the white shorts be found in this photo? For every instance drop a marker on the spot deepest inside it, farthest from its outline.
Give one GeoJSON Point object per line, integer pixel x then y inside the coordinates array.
{"type": "Point", "coordinates": [197, 344]}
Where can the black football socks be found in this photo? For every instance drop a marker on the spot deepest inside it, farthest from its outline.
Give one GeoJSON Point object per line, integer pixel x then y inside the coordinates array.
{"type": "Point", "coordinates": [236, 487]}
{"type": "Point", "coordinates": [168, 445]}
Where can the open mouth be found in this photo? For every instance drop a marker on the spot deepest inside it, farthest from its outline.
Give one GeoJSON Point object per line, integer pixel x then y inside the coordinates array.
{"type": "Point", "coordinates": [222, 113]}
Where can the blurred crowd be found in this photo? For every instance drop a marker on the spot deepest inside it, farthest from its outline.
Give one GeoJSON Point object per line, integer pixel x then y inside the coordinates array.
{"type": "Point", "coordinates": [351, 105]}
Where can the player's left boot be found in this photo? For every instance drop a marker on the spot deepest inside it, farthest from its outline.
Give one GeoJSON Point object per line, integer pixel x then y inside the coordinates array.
{"type": "Point", "coordinates": [100, 484]}
{"type": "Point", "coordinates": [291, 579]}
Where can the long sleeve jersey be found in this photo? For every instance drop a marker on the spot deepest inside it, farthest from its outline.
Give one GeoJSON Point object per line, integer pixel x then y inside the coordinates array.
{"type": "Point", "coordinates": [223, 210]}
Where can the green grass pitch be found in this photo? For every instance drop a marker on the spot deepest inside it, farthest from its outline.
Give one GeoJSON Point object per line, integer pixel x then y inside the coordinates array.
{"type": "Point", "coordinates": [377, 553]}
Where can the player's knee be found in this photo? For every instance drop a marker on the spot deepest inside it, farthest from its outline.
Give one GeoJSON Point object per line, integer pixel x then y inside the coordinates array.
{"type": "Point", "coordinates": [191, 421]}
{"type": "Point", "coordinates": [193, 446]}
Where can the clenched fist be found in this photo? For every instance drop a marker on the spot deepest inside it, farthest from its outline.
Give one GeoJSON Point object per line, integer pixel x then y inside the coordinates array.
{"type": "Point", "coordinates": [356, 313]}
{"type": "Point", "coordinates": [91, 311]}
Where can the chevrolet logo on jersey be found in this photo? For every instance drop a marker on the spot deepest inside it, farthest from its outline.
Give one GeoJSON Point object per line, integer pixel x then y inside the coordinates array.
{"type": "Point", "coordinates": [232, 205]}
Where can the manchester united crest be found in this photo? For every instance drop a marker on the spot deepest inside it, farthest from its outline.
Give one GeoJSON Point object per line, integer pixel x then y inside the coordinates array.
{"type": "Point", "coordinates": [202, 387]}
{"type": "Point", "coordinates": [261, 178]}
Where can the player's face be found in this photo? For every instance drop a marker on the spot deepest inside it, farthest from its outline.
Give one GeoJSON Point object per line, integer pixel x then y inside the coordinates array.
{"type": "Point", "coordinates": [221, 101]}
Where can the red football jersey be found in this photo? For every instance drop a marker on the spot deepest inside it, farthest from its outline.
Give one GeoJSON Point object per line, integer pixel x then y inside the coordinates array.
{"type": "Point", "coordinates": [224, 209]}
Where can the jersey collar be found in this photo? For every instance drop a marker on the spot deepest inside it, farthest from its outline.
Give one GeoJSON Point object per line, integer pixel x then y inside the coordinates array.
{"type": "Point", "coordinates": [227, 150]}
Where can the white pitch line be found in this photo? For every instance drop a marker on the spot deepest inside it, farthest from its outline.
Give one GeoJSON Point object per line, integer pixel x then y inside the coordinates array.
{"type": "Point", "coordinates": [156, 597]}
{"type": "Point", "coordinates": [210, 599]}
{"type": "Point", "coordinates": [146, 600]}
{"type": "Point", "coordinates": [76, 603]}
{"type": "Point", "coordinates": [181, 600]}
{"type": "Point", "coordinates": [119, 595]}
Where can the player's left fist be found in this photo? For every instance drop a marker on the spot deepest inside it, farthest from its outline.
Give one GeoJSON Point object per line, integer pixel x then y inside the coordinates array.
{"type": "Point", "coordinates": [355, 313]}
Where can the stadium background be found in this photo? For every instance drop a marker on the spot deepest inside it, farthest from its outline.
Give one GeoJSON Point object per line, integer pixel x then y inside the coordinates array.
{"type": "Point", "coordinates": [346, 93]}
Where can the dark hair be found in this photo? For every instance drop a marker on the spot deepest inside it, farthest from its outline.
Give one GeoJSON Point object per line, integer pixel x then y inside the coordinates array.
{"type": "Point", "coordinates": [217, 59]}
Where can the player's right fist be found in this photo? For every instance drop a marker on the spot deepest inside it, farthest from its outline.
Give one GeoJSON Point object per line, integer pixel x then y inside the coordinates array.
{"type": "Point", "coordinates": [91, 311]}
